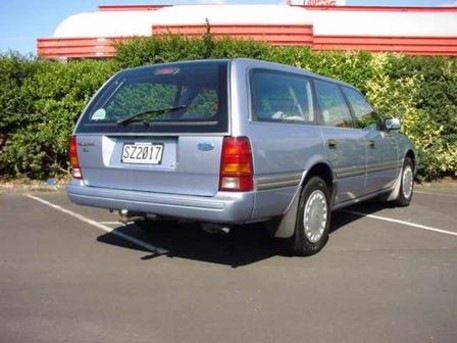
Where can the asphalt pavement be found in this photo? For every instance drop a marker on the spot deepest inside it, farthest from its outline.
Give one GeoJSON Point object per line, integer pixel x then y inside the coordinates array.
{"type": "Point", "coordinates": [73, 274]}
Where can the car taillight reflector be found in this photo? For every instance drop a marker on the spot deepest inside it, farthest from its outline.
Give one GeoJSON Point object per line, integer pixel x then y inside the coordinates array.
{"type": "Point", "coordinates": [74, 161]}
{"type": "Point", "coordinates": [236, 173]}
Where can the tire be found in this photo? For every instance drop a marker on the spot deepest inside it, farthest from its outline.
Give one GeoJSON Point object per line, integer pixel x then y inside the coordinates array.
{"type": "Point", "coordinates": [407, 184]}
{"type": "Point", "coordinates": [313, 219]}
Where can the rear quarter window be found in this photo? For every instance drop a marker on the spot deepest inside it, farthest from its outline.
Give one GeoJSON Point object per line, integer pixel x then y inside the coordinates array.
{"type": "Point", "coordinates": [281, 97]}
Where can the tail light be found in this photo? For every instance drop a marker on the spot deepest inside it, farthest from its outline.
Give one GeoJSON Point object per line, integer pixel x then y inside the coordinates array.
{"type": "Point", "coordinates": [236, 173]}
{"type": "Point", "coordinates": [74, 161]}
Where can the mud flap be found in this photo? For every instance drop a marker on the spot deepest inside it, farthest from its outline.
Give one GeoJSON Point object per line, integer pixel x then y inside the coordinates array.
{"type": "Point", "coordinates": [284, 227]}
{"type": "Point", "coordinates": [397, 186]}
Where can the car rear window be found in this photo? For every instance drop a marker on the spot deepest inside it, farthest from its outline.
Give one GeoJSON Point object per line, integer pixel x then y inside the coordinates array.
{"type": "Point", "coordinates": [176, 97]}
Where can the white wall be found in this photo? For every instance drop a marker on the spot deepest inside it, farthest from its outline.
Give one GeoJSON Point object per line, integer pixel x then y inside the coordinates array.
{"type": "Point", "coordinates": [337, 23]}
{"type": "Point", "coordinates": [318, 2]}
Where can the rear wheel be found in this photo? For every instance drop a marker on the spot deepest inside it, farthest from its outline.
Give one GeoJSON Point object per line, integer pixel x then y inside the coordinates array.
{"type": "Point", "coordinates": [313, 219]}
{"type": "Point", "coordinates": [407, 184]}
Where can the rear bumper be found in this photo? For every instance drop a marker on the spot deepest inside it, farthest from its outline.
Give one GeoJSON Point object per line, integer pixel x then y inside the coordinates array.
{"type": "Point", "coordinates": [224, 207]}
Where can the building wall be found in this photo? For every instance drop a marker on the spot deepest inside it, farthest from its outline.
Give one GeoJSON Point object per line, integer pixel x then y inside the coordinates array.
{"type": "Point", "coordinates": [317, 2]}
{"type": "Point", "coordinates": [414, 30]}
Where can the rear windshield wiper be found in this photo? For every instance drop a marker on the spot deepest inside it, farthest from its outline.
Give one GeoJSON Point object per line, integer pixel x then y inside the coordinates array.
{"type": "Point", "coordinates": [134, 117]}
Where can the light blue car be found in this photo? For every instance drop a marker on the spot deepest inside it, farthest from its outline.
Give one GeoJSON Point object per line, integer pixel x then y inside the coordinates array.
{"type": "Point", "coordinates": [229, 142]}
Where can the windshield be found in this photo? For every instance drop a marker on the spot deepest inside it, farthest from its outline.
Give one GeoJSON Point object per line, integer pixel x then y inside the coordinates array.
{"type": "Point", "coordinates": [162, 98]}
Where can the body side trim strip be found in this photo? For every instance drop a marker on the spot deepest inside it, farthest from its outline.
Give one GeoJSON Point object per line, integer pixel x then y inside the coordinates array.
{"type": "Point", "coordinates": [277, 181]}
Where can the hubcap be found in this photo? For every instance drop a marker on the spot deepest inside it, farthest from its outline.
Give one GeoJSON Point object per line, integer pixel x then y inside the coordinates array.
{"type": "Point", "coordinates": [315, 216]}
{"type": "Point", "coordinates": [407, 182]}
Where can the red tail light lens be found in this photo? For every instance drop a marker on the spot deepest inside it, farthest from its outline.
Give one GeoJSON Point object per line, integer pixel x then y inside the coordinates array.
{"type": "Point", "coordinates": [236, 173]}
{"type": "Point", "coordinates": [74, 161]}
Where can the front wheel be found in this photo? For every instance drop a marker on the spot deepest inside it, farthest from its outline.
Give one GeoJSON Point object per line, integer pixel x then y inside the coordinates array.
{"type": "Point", "coordinates": [313, 219]}
{"type": "Point", "coordinates": [407, 184]}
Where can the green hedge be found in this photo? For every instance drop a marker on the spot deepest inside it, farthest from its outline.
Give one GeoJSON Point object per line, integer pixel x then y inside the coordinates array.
{"type": "Point", "coordinates": [41, 100]}
{"type": "Point", "coordinates": [39, 107]}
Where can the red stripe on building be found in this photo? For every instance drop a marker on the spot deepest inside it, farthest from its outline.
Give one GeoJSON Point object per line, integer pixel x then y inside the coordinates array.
{"type": "Point", "coordinates": [282, 35]}
{"type": "Point", "coordinates": [407, 45]}
{"type": "Point", "coordinates": [61, 48]}
{"type": "Point", "coordinates": [438, 9]}
{"type": "Point", "coordinates": [131, 7]}
{"type": "Point", "coordinates": [273, 34]}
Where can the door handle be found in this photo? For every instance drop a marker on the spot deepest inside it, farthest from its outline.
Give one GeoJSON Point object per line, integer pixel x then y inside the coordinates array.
{"type": "Point", "coordinates": [372, 144]}
{"type": "Point", "coordinates": [331, 143]}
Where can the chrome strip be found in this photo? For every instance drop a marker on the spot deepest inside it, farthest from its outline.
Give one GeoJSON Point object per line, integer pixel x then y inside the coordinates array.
{"type": "Point", "coordinates": [374, 168]}
{"type": "Point", "coordinates": [382, 166]}
{"type": "Point", "coordinates": [342, 173]}
{"type": "Point", "coordinates": [277, 181]}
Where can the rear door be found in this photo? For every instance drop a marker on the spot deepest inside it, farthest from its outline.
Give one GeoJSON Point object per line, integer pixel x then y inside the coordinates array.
{"type": "Point", "coordinates": [382, 150]}
{"type": "Point", "coordinates": [157, 129]}
{"type": "Point", "coordinates": [345, 146]}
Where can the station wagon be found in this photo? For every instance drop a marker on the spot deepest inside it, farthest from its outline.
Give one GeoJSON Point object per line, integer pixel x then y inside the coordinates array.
{"type": "Point", "coordinates": [231, 142]}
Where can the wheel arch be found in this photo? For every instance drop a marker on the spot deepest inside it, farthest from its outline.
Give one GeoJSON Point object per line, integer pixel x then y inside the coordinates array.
{"type": "Point", "coordinates": [284, 227]}
{"type": "Point", "coordinates": [324, 171]}
{"type": "Point", "coordinates": [321, 169]}
{"type": "Point", "coordinates": [396, 187]}
{"type": "Point", "coordinates": [412, 156]}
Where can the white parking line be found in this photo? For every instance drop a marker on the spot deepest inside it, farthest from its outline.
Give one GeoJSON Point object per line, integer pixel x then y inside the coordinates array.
{"type": "Point", "coordinates": [112, 223]}
{"type": "Point", "coordinates": [103, 227]}
{"type": "Point", "coordinates": [417, 226]}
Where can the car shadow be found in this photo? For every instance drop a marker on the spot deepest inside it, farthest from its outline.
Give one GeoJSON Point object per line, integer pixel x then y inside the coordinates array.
{"type": "Point", "coordinates": [242, 246]}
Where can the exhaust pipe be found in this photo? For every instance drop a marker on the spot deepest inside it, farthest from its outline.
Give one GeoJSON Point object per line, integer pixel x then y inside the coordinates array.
{"type": "Point", "coordinates": [125, 217]}
{"type": "Point", "coordinates": [215, 229]}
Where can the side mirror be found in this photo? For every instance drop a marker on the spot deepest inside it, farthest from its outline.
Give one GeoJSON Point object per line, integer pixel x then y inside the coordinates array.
{"type": "Point", "coordinates": [392, 124]}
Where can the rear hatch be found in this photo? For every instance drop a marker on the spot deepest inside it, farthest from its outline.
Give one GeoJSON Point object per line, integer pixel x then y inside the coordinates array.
{"type": "Point", "coordinates": [157, 129]}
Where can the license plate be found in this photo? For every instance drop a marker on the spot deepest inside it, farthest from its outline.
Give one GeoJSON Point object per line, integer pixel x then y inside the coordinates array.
{"type": "Point", "coordinates": [143, 153]}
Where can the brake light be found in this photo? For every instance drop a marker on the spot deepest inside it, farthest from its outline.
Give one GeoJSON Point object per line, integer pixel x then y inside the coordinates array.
{"type": "Point", "coordinates": [236, 173]}
{"type": "Point", "coordinates": [74, 161]}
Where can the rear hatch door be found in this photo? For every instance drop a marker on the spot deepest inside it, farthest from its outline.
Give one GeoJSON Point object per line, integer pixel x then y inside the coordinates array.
{"type": "Point", "coordinates": [157, 129]}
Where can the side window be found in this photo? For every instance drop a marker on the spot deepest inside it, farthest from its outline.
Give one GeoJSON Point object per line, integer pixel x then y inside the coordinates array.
{"type": "Point", "coordinates": [281, 97]}
{"type": "Point", "coordinates": [366, 117]}
{"type": "Point", "coordinates": [332, 105]}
